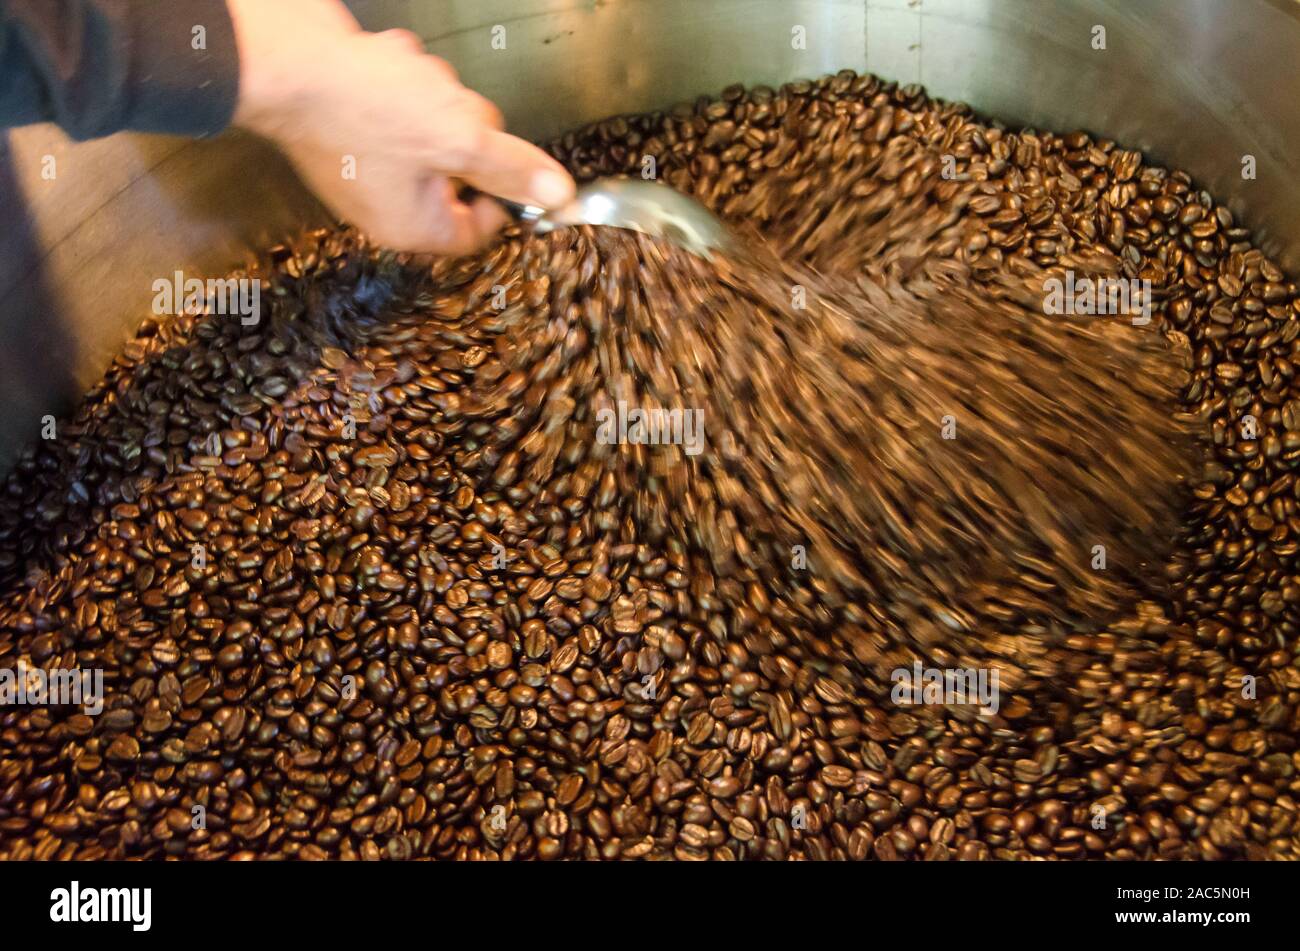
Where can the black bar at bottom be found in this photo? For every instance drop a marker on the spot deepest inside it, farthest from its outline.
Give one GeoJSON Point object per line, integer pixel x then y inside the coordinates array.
{"type": "Point", "coordinates": [268, 903]}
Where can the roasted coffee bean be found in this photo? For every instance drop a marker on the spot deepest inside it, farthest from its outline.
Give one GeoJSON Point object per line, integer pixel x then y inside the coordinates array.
{"type": "Point", "coordinates": [410, 605]}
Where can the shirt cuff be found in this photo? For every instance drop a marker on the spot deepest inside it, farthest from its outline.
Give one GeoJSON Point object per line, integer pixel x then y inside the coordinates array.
{"type": "Point", "coordinates": [184, 67]}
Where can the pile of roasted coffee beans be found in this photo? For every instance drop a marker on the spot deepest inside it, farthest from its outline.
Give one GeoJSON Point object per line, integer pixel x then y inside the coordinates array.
{"type": "Point", "coordinates": [823, 471]}
{"type": "Point", "coordinates": [400, 608]}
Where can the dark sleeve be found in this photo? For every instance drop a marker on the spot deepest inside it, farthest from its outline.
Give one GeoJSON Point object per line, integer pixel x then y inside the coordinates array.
{"type": "Point", "coordinates": [96, 67]}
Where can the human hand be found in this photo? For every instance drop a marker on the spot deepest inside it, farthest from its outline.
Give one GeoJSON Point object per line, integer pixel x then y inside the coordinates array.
{"type": "Point", "coordinates": [337, 99]}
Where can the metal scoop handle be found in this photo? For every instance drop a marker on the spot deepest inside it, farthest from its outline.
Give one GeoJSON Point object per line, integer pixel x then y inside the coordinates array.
{"type": "Point", "coordinates": [524, 214]}
{"type": "Point", "coordinates": [648, 207]}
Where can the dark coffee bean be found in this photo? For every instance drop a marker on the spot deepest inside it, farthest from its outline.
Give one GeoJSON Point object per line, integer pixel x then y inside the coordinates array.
{"type": "Point", "coordinates": [408, 605]}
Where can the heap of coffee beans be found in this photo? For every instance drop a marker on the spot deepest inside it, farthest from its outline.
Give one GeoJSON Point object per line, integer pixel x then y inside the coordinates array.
{"type": "Point", "coordinates": [393, 609]}
{"type": "Point", "coordinates": [832, 432]}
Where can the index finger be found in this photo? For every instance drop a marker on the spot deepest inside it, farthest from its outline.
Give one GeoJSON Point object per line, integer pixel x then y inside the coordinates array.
{"type": "Point", "coordinates": [501, 164]}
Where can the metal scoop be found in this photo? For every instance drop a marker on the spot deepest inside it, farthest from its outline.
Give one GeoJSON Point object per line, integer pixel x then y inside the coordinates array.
{"type": "Point", "coordinates": [648, 207]}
